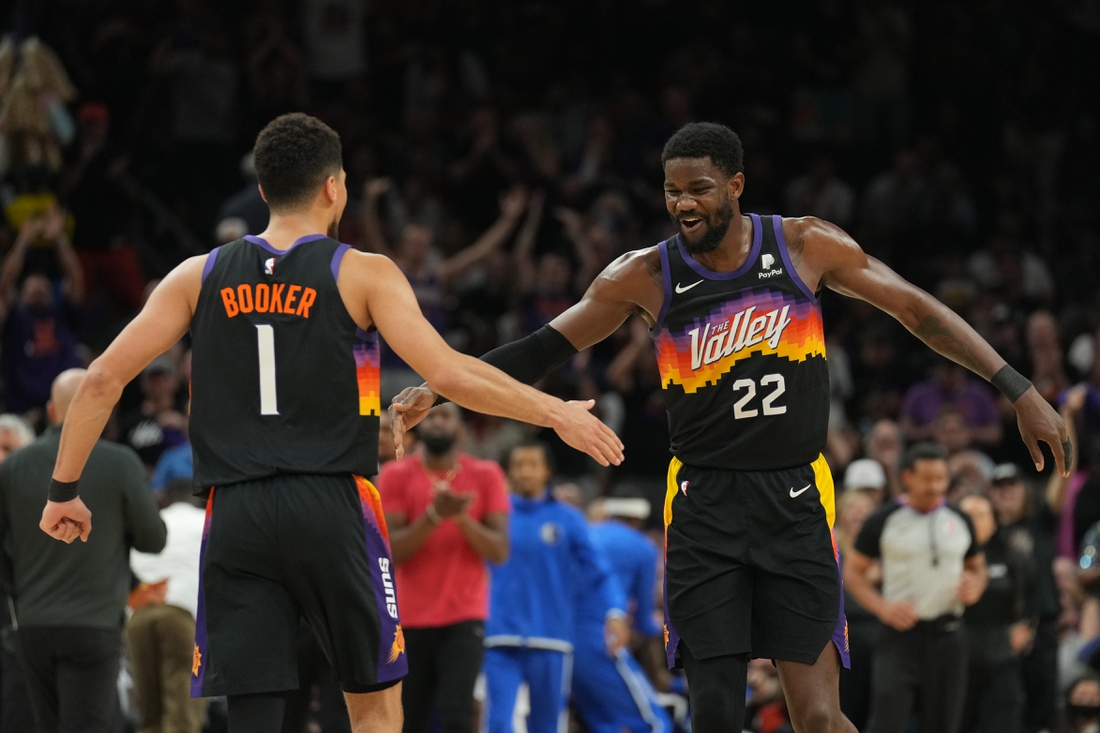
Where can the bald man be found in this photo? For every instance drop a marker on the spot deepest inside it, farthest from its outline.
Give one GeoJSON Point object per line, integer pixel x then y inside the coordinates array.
{"type": "Point", "coordinates": [70, 599]}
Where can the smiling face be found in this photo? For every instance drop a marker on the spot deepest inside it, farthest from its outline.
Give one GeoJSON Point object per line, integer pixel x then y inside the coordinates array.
{"type": "Point", "coordinates": [702, 200]}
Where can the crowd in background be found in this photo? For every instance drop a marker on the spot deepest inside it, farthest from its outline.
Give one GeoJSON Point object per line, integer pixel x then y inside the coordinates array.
{"type": "Point", "coordinates": [503, 153]}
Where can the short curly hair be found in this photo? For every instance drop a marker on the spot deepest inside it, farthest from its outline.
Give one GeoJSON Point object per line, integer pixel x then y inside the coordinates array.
{"type": "Point", "coordinates": [295, 153]}
{"type": "Point", "coordinates": [707, 140]}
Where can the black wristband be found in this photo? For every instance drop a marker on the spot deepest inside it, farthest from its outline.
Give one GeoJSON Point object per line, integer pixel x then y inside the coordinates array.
{"type": "Point", "coordinates": [530, 358]}
{"type": "Point", "coordinates": [1010, 382]}
{"type": "Point", "coordinates": [62, 490]}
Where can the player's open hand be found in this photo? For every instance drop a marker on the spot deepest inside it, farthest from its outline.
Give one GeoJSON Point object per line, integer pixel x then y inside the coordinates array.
{"type": "Point", "coordinates": [407, 409]}
{"type": "Point", "coordinates": [1039, 422]}
{"type": "Point", "coordinates": [580, 429]}
{"type": "Point", "coordinates": [66, 520]}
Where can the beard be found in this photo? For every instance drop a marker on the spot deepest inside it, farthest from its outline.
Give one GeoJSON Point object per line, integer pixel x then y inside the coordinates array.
{"type": "Point", "coordinates": [715, 228]}
{"type": "Point", "coordinates": [438, 445]}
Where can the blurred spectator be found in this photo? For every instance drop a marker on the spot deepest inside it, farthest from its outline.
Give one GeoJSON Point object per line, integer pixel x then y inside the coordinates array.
{"type": "Point", "coordinates": [866, 474]}
{"type": "Point", "coordinates": [14, 434]}
{"type": "Point", "coordinates": [69, 635]}
{"type": "Point", "coordinates": [613, 694]}
{"type": "Point", "coordinates": [203, 83]}
{"type": "Point", "coordinates": [951, 430]}
{"type": "Point", "coordinates": [39, 338]}
{"type": "Point", "coordinates": [971, 472]}
{"type": "Point", "coordinates": [99, 205]}
{"type": "Point", "coordinates": [878, 370]}
{"type": "Point", "coordinates": [1002, 265]}
{"type": "Point", "coordinates": [951, 385]}
{"type": "Point", "coordinates": [15, 707]}
{"type": "Point", "coordinates": [531, 632]}
{"type": "Point", "coordinates": [890, 205]}
{"type": "Point", "coordinates": [174, 463]}
{"type": "Point", "coordinates": [999, 626]}
{"type": "Point", "coordinates": [765, 706]}
{"type": "Point", "coordinates": [634, 376]}
{"type": "Point", "coordinates": [852, 509]}
{"type": "Point", "coordinates": [246, 209]}
{"type": "Point", "coordinates": [819, 192]}
{"type": "Point", "coordinates": [159, 422]}
{"type": "Point", "coordinates": [160, 636]}
{"type": "Point", "coordinates": [427, 272]}
{"type": "Point", "coordinates": [276, 73]}
{"type": "Point", "coordinates": [932, 568]}
{"type": "Point", "coordinates": [1083, 705]}
{"type": "Point", "coordinates": [1044, 350]}
{"type": "Point", "coordinates": [1033, 529]}
{"type": "Point", "coordinates": [885, 444]}
{"type": "Point", "coordinates": [334, 39]}
{"type": "Point", "coordinates": [447, 513]}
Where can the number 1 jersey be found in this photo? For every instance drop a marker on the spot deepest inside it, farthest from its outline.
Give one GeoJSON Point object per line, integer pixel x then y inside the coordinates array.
{"type": "Point", "coordinates": [742, 358]}
{"type": "Point", "coordinates": [282, 379]}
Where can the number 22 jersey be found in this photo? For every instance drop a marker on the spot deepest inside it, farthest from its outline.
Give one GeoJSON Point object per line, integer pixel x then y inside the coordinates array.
{"type": "Point", "coordinates": [282, 379]}
{"type": "Point", "coordinates": [742, 358]}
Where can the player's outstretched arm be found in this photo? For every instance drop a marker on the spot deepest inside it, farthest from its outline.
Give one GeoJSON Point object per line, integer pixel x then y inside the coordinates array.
{"type": "Point", "coordinates": [467, 381]}
{"type": "Point", "coordinates": [631, 284]}
{"type": "Point", "coordinates": [160, 324]}
{"type": "Point", "coordinates": [847, 269]}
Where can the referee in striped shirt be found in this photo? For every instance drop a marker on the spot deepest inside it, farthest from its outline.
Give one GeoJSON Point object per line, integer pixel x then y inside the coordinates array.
{"type": "Point", "coordinates": [932, 567]}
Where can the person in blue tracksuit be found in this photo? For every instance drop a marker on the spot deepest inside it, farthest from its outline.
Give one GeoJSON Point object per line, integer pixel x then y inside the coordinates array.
{"type": "Point", "coordinates": [530, 633]}
{"type": "Point", "coordinates": [611, 692]}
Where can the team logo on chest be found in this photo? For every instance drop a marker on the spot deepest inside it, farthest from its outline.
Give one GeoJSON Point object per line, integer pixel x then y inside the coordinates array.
{"type": "Point", "coordinates": [742, 331]}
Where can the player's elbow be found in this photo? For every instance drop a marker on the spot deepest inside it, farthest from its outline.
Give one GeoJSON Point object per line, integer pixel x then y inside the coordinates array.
{"type": "Point", "coordinates": [101, 382]}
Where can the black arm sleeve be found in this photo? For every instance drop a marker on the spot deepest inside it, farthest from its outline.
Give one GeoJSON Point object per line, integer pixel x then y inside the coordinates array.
{"type": "Point", "coordinates": [532, 357]}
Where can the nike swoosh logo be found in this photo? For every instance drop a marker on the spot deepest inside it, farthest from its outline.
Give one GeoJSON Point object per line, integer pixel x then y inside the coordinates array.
{"type": "Point", "coordinates": [681, 289]}
{"type": "Point", "coordinates": [800, 491]}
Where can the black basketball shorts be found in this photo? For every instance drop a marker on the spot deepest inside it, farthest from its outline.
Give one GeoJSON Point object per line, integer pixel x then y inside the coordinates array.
{"type": "Point", "coordinates": [751, 564]}
{"type": "Point", "coordinates": [291, 547]}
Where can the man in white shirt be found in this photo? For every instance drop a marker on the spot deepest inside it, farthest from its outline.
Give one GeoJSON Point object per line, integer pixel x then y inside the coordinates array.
{"type": "Point", "coordinates": [160, 635]}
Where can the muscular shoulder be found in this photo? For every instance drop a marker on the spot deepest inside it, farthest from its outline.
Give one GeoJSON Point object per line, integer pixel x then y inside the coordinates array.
{"type": "Point", "coordinates": [818, 247]}
{"type": "Point", "coordinates": [639, 266]}
{"type": "Point", "coordinates": [633, 278]}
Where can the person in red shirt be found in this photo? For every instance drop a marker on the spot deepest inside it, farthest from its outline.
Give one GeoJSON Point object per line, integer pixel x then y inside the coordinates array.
{"type": "Point", "coordinates": [447, 513]}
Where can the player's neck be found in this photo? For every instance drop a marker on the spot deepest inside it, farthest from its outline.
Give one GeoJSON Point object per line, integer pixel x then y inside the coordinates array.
{"type": "Point", "coordinates": [286, 228]}
{"type": "Point", "coordinates": [734, 248]}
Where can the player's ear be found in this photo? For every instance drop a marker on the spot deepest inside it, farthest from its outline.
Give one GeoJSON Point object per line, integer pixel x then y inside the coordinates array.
{"type": "Point", "coordinates": [261, 190]}
{"type": "Point", "coordinates": [735, 186]}
{"type": "Point", "coordinates": [332, 189]}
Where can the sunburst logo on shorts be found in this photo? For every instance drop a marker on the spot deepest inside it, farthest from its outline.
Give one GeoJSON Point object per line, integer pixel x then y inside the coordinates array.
{"type": "Point", "coordinates": [398, 647]}
{"type": "Point", "coordinates": [666, 634]}
{"type": "Point", "coordinates": [196, 661]}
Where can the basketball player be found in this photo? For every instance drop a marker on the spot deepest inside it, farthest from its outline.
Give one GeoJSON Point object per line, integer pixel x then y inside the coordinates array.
{"type": "Point", "coordinates": [284, 424]}
{"type": "Point", "coordinates": [732, 301]}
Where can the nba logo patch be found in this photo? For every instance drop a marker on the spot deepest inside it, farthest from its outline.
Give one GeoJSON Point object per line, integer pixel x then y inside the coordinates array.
{"type": "Point", "coordinates": [269, 266]}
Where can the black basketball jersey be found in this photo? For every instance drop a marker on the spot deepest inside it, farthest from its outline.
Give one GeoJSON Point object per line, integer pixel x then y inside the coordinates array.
{"type": "Point", "coordinates": [742, 358]}
{"type": "Point", "coordinates": [282, 379]}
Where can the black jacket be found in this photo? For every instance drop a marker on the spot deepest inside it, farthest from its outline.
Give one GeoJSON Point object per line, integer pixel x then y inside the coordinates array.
{"type": "Point", "coordinates": [82, 584]}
